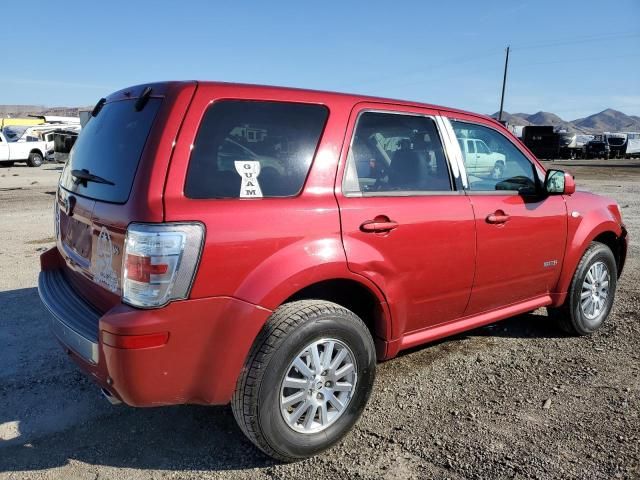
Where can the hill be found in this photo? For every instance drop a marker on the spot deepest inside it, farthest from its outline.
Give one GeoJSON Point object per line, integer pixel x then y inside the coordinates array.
{"type": "Point", "coordinates": [608, 120]}
{"type": "Point", "coordinates": [26, 110]}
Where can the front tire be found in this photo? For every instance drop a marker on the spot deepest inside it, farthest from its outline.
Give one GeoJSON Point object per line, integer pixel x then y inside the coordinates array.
{"type": "Point", "coordinates": [306, 380]}
{"type": "Point", "coordinates": [35, 159]}
{"type": "Point", "coordinates": [591, 294]}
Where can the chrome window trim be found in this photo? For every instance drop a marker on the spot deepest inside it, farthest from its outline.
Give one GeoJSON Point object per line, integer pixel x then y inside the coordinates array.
{"type": "Point", "coordinates": [455, 155]}
{"type": "Point", "coordinates": [495, 192]}
{"type": "Point", "coordinates": [405, 193]}
{"type": "Point", "coordinates": [454, 173]}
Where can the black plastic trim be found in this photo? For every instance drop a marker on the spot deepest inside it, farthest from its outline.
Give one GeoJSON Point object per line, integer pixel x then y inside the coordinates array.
{"type": "Point", "coordinates": [75, 322]}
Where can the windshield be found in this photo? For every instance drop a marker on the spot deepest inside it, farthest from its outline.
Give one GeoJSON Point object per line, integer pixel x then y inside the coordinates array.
{"type": "Point", "coordinates": [616, 141]}
{"type": "Point", "coordinates": [13, 133]}
{"type": "Point", "coordinates": [110, 146]}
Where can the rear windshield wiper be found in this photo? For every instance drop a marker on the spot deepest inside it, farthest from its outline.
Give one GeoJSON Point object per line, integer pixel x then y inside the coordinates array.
{"type": "Point", "coordinates": [83, 176]}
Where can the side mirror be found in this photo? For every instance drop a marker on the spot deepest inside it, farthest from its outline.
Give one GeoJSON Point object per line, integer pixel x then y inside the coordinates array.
{"type": "Point", "coordinates": [558, 182]}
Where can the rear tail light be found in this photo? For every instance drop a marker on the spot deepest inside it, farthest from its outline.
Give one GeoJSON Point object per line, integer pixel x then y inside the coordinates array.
{"type": "Point", "coordinates": [160, 262]}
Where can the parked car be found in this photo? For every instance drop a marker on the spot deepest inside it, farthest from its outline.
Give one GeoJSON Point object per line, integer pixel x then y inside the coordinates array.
{"type": "Point", "coordinates": [479, 159]}
{"type": "Point", "coordinates": [30, 151]}
{"type": "Point", "coordinates": [175, 279]}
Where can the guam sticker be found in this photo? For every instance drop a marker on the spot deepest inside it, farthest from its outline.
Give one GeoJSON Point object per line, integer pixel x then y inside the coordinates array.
{"type": "Point", "coordinates": [103, 272]}
{"type": "Point", "coordinates": [249, 171]}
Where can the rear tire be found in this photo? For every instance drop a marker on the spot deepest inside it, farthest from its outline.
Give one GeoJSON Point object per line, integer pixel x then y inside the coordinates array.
{"type": "Point", "coordinates": [261, 402]}
{"type": "Point", "coordinates": [35, 159]}
{"type": "Point", "coordinates": [586, 307]}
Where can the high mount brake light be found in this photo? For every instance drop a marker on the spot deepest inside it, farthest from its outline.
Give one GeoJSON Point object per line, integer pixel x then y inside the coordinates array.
{"type": "Point", "coordinates": [160, 262]}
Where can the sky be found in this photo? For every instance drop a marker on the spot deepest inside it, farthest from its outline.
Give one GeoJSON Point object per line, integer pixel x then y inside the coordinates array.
{"type": "Point", "coordinates": [570, 57]}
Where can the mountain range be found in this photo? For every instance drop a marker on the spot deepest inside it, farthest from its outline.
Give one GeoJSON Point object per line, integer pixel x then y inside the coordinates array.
{"type": "Point", "coordinates": [608, 120]}
{"type": "Point", "coordinates": [16, 111]}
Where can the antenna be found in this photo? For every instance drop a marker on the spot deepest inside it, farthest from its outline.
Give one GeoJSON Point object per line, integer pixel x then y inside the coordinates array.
{"type": "Point", "coordinates": [504, 84]}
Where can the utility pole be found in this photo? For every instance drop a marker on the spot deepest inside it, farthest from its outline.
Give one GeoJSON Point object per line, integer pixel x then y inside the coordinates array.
{"type": "Point", "coordinates": [504, 84]}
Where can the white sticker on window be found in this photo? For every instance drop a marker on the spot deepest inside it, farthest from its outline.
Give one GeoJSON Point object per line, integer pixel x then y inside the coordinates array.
{"type": "Point", "coordinates": [103, 272]}
{"type": "Point", "coordinates": [249, 171]}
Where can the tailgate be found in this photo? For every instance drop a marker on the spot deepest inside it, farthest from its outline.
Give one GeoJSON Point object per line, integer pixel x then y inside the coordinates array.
{"type": "Point", "coordinates": [114, 176]}
{"type": "Point", "coordinates": [92, 251]}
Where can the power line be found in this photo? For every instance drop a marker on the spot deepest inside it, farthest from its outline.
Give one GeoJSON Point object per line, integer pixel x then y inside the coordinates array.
{"type": "Point", "coordinates": [576, 60]}
{"type": "Point", "coordinates": [578, 40]}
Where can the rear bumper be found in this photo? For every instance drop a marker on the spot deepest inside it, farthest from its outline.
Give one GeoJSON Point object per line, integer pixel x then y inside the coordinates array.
{"type": "Point", "coordinates": [73, 321]}
{"type": "Point", "coordinates": [208, 341]}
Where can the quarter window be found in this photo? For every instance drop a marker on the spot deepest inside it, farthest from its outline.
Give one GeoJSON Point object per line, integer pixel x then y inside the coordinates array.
{"type": "Point", "coordinates": [251, 149]}
{"type": "Point", "coordinates": [471, 145]}
{"type": "Point", "coordinates": [497, 164]}
{"type": "Point", "coordinates": [395, 153]}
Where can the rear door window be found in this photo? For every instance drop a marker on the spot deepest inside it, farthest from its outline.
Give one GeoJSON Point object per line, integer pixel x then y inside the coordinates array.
{"type": "Point", "coordinates": [393, 153]}
{"type": "Point", "coordinates": [254, 149]}
{"type": "Point", "coordinates": [109, 148]}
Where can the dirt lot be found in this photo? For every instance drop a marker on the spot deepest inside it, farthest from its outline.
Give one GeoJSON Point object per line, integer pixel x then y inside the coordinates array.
{"type": "Point", "coordinates": [514, 400]}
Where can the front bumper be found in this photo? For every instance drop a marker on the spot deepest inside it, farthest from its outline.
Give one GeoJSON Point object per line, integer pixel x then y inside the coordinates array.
{"type": "Point", "coordinates": [208, 342]}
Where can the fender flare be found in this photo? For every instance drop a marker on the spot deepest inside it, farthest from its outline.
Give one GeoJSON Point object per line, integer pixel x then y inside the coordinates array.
{"type": "Point", "coordinates": [577, 243]}
{"type": "Point", "coordinates": [301, 265]}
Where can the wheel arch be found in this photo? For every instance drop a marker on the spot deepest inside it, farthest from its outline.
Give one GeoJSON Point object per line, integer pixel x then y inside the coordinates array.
{"type": "Point", "coordinates": [318, 270]}
{"type": "Point", "coordinates": [354, 295]}
{"type": "Point", "coordinates": [616, 244]}
{"type": "Point", "coordinates": [607, 232]}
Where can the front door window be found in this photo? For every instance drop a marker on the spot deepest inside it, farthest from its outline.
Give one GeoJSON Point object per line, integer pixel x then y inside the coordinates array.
{"type": "Point", "coordinates": [498, 164]}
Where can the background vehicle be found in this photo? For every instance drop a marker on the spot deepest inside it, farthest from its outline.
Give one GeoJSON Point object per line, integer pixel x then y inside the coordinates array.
{"type": "Point", "coordinates": [6, 122]}
{"type": "Point", "coordinates": [178, 279]}
{"type": "Point", "coordinates": [572, 145]}
{"type": "Point", "coordinates": [543, 141]}
{"type": "Point", "coordinates": [633, 144]}
{"type": "Point", "coordinates": [597, 148]}
{"type": "Point", "coordinates": [479, 159]}
{"type": "Point", "coordinates": [63, 141]}
{"type": "Point", "coordinates": [31, 151]}
{"type": "Point", "coordinates": [617, 144]}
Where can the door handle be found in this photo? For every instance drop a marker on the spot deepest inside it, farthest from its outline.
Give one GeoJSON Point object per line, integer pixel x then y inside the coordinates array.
{"type": "Point", "coordinates": [497, 217]}
{"type": "Point", "coordinates": [377, 226]}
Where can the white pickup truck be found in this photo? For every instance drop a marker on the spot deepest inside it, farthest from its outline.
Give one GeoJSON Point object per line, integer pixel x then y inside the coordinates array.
{"type": "Point", "coordinates": [31, 152]}
{"type": "Point", "coordinates": [480, 160]}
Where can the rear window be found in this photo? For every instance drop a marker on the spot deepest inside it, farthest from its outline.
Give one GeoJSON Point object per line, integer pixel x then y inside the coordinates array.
{"type": "Point", "coordinates": [110, 147]}
{"type": "Point", "coordinates": [252, 149]}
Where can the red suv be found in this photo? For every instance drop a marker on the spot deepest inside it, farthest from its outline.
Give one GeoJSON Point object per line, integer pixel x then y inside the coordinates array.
{"type": "Point", "coordinates": [267, 246]}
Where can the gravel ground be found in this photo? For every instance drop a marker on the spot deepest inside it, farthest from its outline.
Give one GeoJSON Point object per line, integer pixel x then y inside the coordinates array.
{"type": "Point", "coordinates": [514, 400]}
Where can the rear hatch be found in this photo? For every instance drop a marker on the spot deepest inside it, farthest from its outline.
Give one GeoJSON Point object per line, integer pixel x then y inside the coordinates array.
{"type": "Point", "coordinates": [111, 179]}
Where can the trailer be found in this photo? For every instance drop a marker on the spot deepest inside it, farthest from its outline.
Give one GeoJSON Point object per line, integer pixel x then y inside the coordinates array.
{"type": "Point", "coordinates": [63, 141]}
{"type": "Point", "coordinates": [598, 147]}
{"type": "Point", "coordinates": [633, 144]}
{"type": "Point", "coordinates": [617, 144]}
{"type": "Point", "coordinates": [543, 141]}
